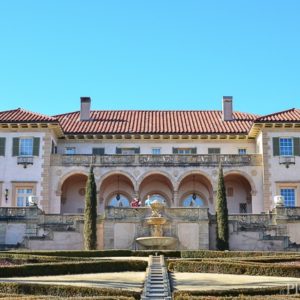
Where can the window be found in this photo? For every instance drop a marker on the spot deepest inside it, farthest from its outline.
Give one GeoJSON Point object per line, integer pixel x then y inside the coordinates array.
{"type": "Point", "coordinates": [22, 196]}
{"type": "Point", "coordinates": [98, 151]}
{"type": "Point", "coordinates": [214, 150]}
{"type": "Point", "coordinates": [191, 201]}
{"type": "Point", "coordinates": [243, 208]}
{"type": "Point", "coordinates": [2, 146]}
{"type": "Point", "coordinates": [242, 151]}
{"type": "Point", "coordinates": [128, 151]}
{"type": "Point", "coordinates": [155, 151]}
{"type": "Point", "coordinates": [286, 146]}
{"type": "Point", "coordinates": [70, 150]}
{"type": "Point", "coordinates": [53, 148]}
{"type": "Point", "coordinates": [184, 150]}
{"type": "Point", "coordinates": [289, 196]}
{"type": "Point", "coordinates": [26, 147]}
{"type": "Point", "coordinates": [119, 201]}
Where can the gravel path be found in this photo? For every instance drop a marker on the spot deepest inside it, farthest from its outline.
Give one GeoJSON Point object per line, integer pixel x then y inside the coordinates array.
{"type": "Point", "coordinates": [124, 280]}
{"type": "Point", "coordinates": [212, 281]}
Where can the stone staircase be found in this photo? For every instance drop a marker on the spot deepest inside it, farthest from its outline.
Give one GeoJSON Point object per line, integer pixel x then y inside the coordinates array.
{"type": "Point", "coordinates": [157, 284]}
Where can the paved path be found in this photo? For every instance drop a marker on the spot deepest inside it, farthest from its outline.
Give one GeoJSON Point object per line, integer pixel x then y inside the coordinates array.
{"type": "Point", "coordinates": [124, 280]}
{"type": "Point", "coordinates": [212, 281]}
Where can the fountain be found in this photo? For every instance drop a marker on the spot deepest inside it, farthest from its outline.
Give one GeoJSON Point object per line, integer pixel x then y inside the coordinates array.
{"type": "Point", "coordinates": [156, 222]}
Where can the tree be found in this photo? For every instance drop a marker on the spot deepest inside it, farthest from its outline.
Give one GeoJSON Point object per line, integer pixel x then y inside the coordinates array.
{"type": "Point", "coordinates": [90, 213]}
{"type": "Point", "coordinates": [222, 214]}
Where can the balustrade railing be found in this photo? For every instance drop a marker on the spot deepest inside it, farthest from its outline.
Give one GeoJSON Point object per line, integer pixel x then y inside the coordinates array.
{"type": "Point", "coordinates": [209, 160]}
{"type": "Point", "coordinates": [18, 212]}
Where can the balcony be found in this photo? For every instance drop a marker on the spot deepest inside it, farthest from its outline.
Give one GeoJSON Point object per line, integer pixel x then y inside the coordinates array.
{"type": "Point", "coordinates": [145, 160]}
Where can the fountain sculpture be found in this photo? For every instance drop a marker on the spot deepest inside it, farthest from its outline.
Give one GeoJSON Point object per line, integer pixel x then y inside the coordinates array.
{"type": "Point", "coordinates": [156, 222]}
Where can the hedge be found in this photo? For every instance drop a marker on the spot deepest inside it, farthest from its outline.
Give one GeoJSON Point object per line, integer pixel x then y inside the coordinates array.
{"type": "Point", "coordinates": [278, 290]}
{"type": "Point", "coordinates": [228, 254]}
{"type": "Point", "coordinates": [64, 290]}
{"type": "Point", "coordinates": [72, 268]}
{"type": "Point", "coordinates": [229, 267]}
{"type": "Point", "coordinates": [98, 253]}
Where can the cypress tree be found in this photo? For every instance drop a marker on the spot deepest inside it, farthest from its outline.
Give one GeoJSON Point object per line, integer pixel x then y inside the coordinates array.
{"type": "Point", "coordinates": [90, 213]}
{"type": "Point", "coordinates": [222, 214]}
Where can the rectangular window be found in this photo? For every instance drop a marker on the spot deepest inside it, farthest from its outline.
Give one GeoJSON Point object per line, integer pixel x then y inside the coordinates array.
{"type": "Point", "coordinates": [242, 151]}
{"type": "Point", "coordinates": [289, 197]}
{"type": "Point", "coordinates": [26, 147]}
{"type": "Point", "coordinates": [2, 146]}
{"type": "Point", "coordinates": [155, 151]}
{"type": "Point", "coordinates": [98, 151]}
{"type": "Point", "coordinates": [70, 150]}
{"type": "Point", "coordinates": [243, 208]}
{"type": "Point", "coordinates": [214, 150]}
{"type": "Point", "coordinates": [128, 151]}
{"type": "Point", "coordinates": [286, 147]}
{"type": "Point", "coordinates": [22, 195]}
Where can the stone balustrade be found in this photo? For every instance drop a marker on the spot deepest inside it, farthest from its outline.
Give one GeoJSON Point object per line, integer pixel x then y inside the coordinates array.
{"type": "Point", "coordinates": [208, 160]}
{"type": "Point", "coordinates": [137, 214]}
{"type": "Point", "coordinates": [7, 213]}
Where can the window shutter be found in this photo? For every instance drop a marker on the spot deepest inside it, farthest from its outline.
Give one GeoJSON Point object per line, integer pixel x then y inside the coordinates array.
{"type": "Point", "coordinates": [297, 146]}
{"type": "Point", "coordinates": [137, 150]}
{"type": "Point", "coordinates": [98, 151]}
{"type": "Point", "coordinates": [15, 149]}
{"type": "Point", "coordinates": [276, 151]}
{"type": "Point", "coordinates": [175, 150]}
{"type": "Point", "coordinates": [2, 146]}
{"type": "Point", "coordinates": [36, 146]}
{"type": "Point", "coordinates": [194, 150]}
{"type": "Point", "coordinates": [118, 150]}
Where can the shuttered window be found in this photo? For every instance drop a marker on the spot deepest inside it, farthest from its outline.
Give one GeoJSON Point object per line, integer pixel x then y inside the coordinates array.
{"type": "Point", "coordinates": [2, 146]}
{"type": "Point", "coordinates": [26, 147]}
{"type": "Point", "coordinates": [185, 150]}
{"type": "Point", "coordinates": [214, 150]}
{"type": "Point", "coordinates": [286, 146]}
{"type": "Point", "coordinates": [98, 151]}
{"type": "Point", "coordinates": [128, 151]}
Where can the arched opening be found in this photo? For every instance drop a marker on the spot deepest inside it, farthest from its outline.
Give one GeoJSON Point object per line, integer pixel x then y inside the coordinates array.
{"type": "Point", "coordinates": [119, 200]}
{"type": "Point", "coordinates": [195, 190]}
{"type": "Point", "coordinates": [116, 190]}
{"type": "Point", "coordinates": [157, 186]}
{"type": "Point", "coordinates": [73, 194]}
{"type": "Point", "coordinates": [193, 200]}
{"type": "Point", "coordinates": [238, 194]}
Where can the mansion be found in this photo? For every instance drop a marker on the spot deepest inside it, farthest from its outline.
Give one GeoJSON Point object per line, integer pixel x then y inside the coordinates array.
{"type": "Point", "coordinates": [172, 156]}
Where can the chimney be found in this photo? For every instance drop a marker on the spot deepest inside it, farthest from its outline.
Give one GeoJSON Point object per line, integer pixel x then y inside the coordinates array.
{"type": "Point", "coordinates": [227, 108]}
{"type": "Point", "coordinates": [85, 108]}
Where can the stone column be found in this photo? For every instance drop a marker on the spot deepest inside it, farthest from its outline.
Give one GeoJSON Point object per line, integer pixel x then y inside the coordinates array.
{"type": "Point", "coordinates": [175, 199]}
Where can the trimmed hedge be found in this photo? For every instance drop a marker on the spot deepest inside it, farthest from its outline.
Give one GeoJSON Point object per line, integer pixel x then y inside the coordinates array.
{"type": "Point", "coordinates": [72, 268]}
{"type": "Point", "coordinates": [278, 290]}
{"type": "Point", "coordinates": [64, 290]}
{"type": "Point", "coordinates": [228, 254]}
{"type": "Point", "coordinates": [230, 267]}
{"type": "Point", "coordinates": [98, 253]}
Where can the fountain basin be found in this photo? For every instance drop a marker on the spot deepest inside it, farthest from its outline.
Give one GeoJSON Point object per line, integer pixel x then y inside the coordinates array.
{"type": "Point", "coordinates": [156, 220]}
{"type": "Point", "coordinates": [156, 242]}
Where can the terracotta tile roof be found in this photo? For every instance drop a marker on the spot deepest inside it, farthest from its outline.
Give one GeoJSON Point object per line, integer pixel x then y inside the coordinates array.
{"type": "Point", "coordinates": [290, 115]}
{"type": "Point", "coordinates": [23, 116]}
{"type": "Point", "coordinates": [156, 122]}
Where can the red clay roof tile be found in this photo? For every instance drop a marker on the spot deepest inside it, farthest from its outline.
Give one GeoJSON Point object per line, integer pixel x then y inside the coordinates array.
{"type": "Point", "coordinates": [290, 115]}
{"type": "Point", "coordinates": [156, 122]}
{"type": "Point", "coordinates": [23, 116]}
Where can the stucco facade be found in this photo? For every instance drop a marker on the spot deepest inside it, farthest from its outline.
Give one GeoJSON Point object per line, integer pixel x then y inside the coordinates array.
{"type": "Point", "coordinates": [172, 165]}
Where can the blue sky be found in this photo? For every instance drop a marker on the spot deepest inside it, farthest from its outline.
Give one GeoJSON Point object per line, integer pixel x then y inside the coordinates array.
{"type": "Point", "coordinates": [158, 54]}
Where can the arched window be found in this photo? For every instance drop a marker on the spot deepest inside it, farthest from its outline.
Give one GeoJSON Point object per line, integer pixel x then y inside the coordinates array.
{"type": "Point", "coordinates": [157, 197]}
{"type": "Point", "coordinates": [193, 200]}
{"type": "Point", "coordinates": [119, 200]}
